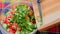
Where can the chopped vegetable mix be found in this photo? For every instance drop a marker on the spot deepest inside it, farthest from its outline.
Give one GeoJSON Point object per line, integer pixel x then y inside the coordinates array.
{"type": "Point", "coordinates": [21, 20]}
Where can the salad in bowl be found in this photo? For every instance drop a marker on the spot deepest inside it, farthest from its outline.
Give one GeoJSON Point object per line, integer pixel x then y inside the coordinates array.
{"type": "Point", "coordinates": [20, 19]}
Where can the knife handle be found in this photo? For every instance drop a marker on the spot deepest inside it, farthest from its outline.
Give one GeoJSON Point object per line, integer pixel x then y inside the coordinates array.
{"type": "Point", "coordinates": [38, 1]}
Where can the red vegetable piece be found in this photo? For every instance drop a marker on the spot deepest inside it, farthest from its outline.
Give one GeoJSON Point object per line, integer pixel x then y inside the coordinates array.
{"type": "Point", "coordinates": [15, 24]}
{"type": "Point", "coordinates": [6, 20]}
{"type": "Point", "coordinates": [12, 31]}
{"type": "Point", "coordinates": [33, 21]}
{"type": "Point", "coordinates": [12, 12]}
{"type": "Point", "coordinates": [9, 16]}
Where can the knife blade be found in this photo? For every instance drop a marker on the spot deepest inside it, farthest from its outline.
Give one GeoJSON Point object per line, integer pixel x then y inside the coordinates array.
{"type": "Point", "coordinates": [40, 10]}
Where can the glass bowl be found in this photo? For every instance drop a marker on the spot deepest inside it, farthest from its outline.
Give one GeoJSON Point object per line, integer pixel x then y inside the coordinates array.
{"type": "Point", "coordinates": [22, 7]}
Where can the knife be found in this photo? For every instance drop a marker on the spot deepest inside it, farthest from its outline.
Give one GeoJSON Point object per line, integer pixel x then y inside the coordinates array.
{"type": "Point", "coordinates": [40, 10]}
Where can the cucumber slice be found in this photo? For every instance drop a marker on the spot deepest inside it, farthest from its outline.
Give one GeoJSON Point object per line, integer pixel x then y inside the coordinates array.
{"type": "Point", "coordinates": [5, 26]}
{"type": "Point", "coordinates": [17, 32]}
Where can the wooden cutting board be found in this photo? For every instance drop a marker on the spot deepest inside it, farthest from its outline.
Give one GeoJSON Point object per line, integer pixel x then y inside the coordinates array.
{"type": "Point", "coordinates": [50, 12]}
